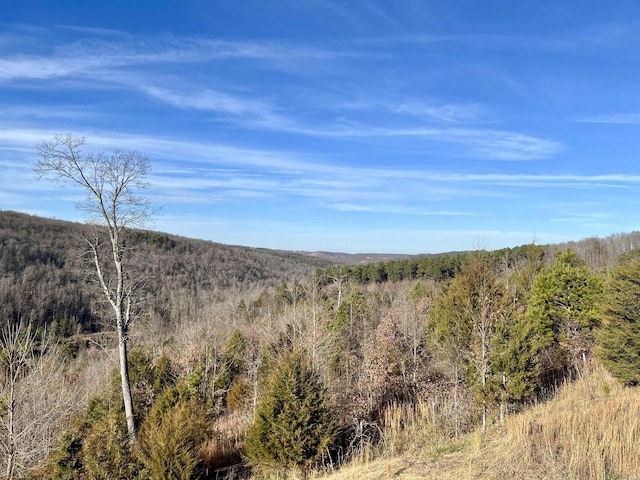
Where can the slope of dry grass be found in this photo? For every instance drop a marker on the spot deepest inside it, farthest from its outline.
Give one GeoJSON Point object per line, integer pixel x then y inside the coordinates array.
{"type": "Point", "coordinates": [589, 430]}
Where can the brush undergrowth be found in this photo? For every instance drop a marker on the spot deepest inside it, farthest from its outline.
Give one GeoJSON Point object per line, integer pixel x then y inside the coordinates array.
{"type": "Point", "coordinates": [589, 430]}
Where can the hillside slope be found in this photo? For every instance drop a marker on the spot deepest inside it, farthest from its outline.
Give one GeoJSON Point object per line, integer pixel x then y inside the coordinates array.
{"type": "Point", "coordinates": [43, 278]}
{"type": "Point", "coordinates": [589, 430]}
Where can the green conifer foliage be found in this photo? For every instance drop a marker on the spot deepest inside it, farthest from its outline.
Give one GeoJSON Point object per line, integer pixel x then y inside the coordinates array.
{"type": "Point", "coordinates": [526, 269]}
{"type": "Point", "coordinates": [619, 338]}
{"type": "Point", "coordinates": [477, 326]}
{"type": "Point", "coordinates": [106, 449]}
{"type": "Point", "coordinates": [272, 352]}
{"type": "Point", "coordinates": [463, 326]}
{"type": "Point", "coordinates": [513, 358]}
{"type": "Point", "coordinates": [171, 437]}
{"type": "Point", "coordinates": [233, 361]}
{"type": "Point", "coordinates": [352, 313]}
{"type": "Point", "coordinates": [564, 309]}
{"type": "Point", "coordinates": [418, 291]}
{"type": "Point", "coordinates": [450, 327]}
{"type": "Point", "coordinates": [293, 425]}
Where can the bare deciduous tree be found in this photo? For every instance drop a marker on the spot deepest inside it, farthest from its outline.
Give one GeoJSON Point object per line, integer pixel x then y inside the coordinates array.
{"type": "Point", "coordinates": [37, 400]}
{"type": "Point", "coordinates": [113, 205]}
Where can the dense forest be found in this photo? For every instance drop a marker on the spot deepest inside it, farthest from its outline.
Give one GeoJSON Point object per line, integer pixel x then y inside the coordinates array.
{"type": "Point", "coordinates": [246, 362]}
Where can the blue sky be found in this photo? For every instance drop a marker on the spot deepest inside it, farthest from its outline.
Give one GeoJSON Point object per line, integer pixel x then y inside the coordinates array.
{"type": "Point", "coordinates": [359, 126]}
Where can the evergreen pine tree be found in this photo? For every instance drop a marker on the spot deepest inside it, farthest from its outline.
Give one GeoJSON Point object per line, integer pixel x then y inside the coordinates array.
{"type": "Point", "coordinates": [619, 338]}
{"type": "Point", "coordinates": [172, 434]}
{"type": "Point", "coordinates": [463, 326]}
{"type": "Point", "coordinates": [293, 425]}
{"type": "Point", "coordinates": [233, 361]}
{"type": "Point", "coordinates": [563, 310]}
{"type": "Point", "coordinates": [513, 358]}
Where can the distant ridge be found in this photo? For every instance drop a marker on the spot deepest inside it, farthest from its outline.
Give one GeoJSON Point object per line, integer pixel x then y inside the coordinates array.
{"type": "Point", "coordinates": [364, 258]}
{"type": "Point", "coordinates": [606, 247]}
{"type": "Point", "coordinates": [10, 218]}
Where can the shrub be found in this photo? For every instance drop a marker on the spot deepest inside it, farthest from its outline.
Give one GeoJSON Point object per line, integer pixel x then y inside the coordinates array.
{"type": "Point", "coordinates": [171, 437]}
{"type": "Point", "coordinates": [293, 425]}
{"type": "Point", "coordinates": [106, 452]}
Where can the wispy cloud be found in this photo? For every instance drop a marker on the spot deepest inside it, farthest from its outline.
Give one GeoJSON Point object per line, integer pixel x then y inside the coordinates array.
{"type": "Point", "coordinates": [44, 112]}
{"type": "Point", "coordinates": [496, 144]}
{"type": "Point", "coordinates": [114, 61]}
{"type": "Point", "coordinates": [493, 144]}
{"type": "Point", "coordinates": [592, 220]}
{"type": "Point", "coordinates": [95, 31]}
{"type": "Point", "coordinates": [214, 155]}
{"type": "Point", "coordinates": [216, 101]}
{"type": "Point", "coordinates": [576, 217]}
{"type": "Point", "coordinates": [434, 110]}
{"type": "Point", "coordinates": [90, 56]}
{"type": "Point", "coordinates": [605, 36]}
{"type": "Point", "coordinates": [261, 114]}
{"type": "Point", "coordinates": [398, 209]}
{"type": "Point", "coordinates": [631, 118]}
{"type": "Point", "coordinates": [447, 112]}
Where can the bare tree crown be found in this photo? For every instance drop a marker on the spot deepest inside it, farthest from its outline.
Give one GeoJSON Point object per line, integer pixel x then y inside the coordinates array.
{"type": "Point", "coordinates": [112, 181]}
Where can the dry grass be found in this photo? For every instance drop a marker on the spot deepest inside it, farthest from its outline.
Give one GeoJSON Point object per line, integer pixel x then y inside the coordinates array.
{"type": "Point", "coordinates": [590, 430]}
{"type": "Point", "coordinates": [426, 428]}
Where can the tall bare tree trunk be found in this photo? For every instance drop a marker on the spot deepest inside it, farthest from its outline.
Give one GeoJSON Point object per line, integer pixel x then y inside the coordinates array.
{"type": "Point", "coordinates": [122, 307]}
{"type": "Point", "coordinates": [126, 385]}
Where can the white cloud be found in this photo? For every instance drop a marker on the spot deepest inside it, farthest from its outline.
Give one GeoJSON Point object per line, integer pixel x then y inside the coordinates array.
{"type": "Point", "coordinates": [107, 32]}
{"type": "Point", "coordinates": [631, 118]}
{"type": "Point", "coordinates": [446, 112]}
{"type": "Point", "coordinates": [493, 144]}
{"type": "Point", "coordinates": [91, 57]}
{"type": "Point", "coordinates": [218, 155]}
{"type": "Point", "coordinates": [216, 101]}
{"type": "Point", "coordinates": [45, 112]}
{"type": "Point", "coordinates": [97, 62]}
{"type": "Point", "coordinates": [598, 37]}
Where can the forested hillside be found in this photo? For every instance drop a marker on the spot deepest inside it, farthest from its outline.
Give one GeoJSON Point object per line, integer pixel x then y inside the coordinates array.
{"type": "Point", "coordinates": [250, 362]}
{"type": "Point", "coordinates": [44, 278]}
